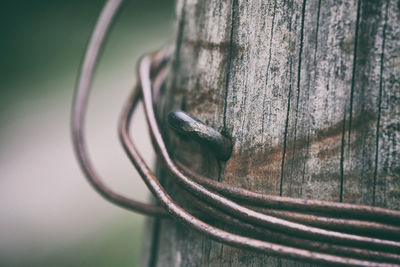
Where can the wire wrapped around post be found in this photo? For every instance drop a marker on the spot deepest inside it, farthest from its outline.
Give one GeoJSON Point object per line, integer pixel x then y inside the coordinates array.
{"type": "Point", "coordinates": [305, 230]}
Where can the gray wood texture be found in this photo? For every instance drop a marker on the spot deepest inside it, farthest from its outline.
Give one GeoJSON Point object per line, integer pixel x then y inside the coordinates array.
{"type": "Point", "coordinates": [309, 92]}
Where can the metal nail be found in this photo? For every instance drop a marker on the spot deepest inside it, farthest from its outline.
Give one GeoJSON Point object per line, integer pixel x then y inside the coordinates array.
{"type": "Point", "coordinates": [191, 127]}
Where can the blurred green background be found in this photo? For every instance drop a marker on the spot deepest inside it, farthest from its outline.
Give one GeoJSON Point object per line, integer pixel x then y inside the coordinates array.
{"type": "Point", "coordinates": [49, 215]}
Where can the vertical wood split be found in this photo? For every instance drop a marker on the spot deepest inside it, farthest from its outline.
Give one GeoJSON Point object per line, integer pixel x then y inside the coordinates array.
{"type": "Point", "coordinates": [309, 92]}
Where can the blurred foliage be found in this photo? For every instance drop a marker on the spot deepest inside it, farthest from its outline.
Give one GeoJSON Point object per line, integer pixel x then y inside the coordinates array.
{"type": "Point", "coordinates": [42, 45]}
{"type": "Point", "coordinates": [43, 39]}
{"type": "Point", "coordinates": [119, 245]}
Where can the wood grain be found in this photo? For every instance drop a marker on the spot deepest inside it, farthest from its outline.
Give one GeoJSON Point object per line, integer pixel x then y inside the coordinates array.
{"type": "Point", "coordinates": [309, 92]}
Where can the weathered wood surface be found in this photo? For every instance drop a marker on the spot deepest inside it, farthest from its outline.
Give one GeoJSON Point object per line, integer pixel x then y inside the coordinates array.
{"type": "Point", "coordinates": [309, 91]}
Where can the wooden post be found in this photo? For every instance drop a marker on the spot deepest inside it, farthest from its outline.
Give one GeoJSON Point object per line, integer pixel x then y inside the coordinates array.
{"type": "Point", "coordinates": [309, 92]}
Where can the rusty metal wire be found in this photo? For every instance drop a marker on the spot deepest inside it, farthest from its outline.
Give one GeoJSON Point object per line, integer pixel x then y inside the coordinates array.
{"type": "Point", "coordinates": [359, 246]}
{"type": "Point", "coordinates": [307, 230]}
{"type": "Point", "coordinates": [79, 111]}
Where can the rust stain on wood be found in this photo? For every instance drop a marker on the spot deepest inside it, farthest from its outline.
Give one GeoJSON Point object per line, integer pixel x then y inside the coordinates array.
{"type": "Point", "coordinates": [265, 162]}
{"type": "Point", "coordinates": [222, 47]}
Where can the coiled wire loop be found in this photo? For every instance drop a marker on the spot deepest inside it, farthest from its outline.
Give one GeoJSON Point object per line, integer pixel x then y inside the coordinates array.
{"type": "Point", "coordinates": [306, 230]}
